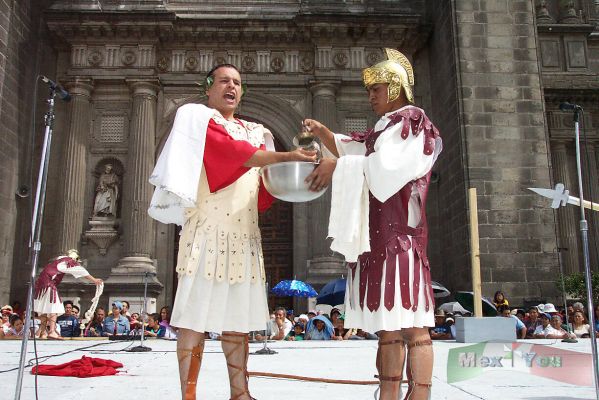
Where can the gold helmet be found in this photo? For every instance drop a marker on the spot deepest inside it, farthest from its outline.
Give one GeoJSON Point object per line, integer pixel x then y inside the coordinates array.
{"type": "Point", "coordinates": [74, 254]}
{"type": "Point", "coordinates": [396, 71]}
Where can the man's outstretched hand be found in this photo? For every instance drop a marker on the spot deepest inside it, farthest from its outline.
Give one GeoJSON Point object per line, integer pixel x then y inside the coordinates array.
{"type": "Point", "coordinates": [322, 176]}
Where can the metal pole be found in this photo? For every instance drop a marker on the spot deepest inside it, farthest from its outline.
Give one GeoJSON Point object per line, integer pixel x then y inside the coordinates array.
{"type": "Point", "coordinates": [265, 350]}
{"type": "Point", "coordinates": [141, 347]}
{"type": "Point", "coordinates": [35, 244]}
{"type": "Point", "coordinates": [584, 228]}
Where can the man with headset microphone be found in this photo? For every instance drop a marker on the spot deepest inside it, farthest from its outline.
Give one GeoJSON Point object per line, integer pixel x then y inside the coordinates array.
{"type": "Point", "coordinates": [207, 181]}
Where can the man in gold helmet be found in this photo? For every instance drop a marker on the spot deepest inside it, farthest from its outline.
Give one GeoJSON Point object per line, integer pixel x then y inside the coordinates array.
{"type": "Point", "coordinates": [47, 302]}
{"type": "Point", "coordinates": [380, 180]}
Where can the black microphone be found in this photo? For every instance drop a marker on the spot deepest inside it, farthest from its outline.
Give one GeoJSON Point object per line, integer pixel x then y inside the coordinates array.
{"type": "Point", "coordinates": [62, 93]}
{"type": "Point", "coordinates": [569, 107]}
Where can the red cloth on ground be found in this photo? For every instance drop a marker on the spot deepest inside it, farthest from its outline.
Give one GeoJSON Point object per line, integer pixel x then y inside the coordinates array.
{"type": "Point", "coordinates": [224, 158]}
{"type": "Point", "coordinates": [86, 367]}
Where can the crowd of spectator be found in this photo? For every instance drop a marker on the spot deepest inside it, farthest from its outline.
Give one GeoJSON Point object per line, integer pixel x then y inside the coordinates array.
{"type": "Point", "coordinates": [542, 321]}
{"type": "Point", "coordinates": [118, 321]}
{"type": "Point", "coordinates": [313, 325]}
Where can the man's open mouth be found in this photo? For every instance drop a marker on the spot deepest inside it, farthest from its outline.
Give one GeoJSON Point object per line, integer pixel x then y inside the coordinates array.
{"type": "Point", "coordinates": [230, 96]}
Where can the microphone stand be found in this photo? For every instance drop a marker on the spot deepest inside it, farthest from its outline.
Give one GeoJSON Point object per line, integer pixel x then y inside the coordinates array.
{"type": "Point", "coordinates": [265, 350]}
{"type": "Point", "coordinates": [35, 244]}
{"type": "Point", "coordinates": [584, 228]}
{"type": "Point", "coordinates": [141, 347]}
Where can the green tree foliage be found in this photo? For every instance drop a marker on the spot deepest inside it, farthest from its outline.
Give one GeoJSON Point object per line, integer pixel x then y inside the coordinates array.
{"type": "Point", "coordinates": [575, 285]}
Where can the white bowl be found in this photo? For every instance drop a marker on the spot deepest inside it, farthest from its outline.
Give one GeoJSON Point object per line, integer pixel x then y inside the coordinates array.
{"type": "Point", "coordinates": [285, 181]}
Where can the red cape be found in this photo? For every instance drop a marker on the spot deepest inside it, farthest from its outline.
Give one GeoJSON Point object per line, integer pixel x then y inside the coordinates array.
{"type": "Point", "coordinates": [86, 367]}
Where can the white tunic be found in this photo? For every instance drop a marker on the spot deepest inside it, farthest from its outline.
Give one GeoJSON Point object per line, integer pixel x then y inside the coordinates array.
{"type": "Point", "coordinates": [395, 163]}
{"type": "Point", "coordinates": [221, 269]}
{"type": "Point", "coordinates": [43, 304]}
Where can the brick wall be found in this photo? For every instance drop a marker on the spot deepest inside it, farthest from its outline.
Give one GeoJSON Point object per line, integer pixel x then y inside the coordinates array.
{"type": "Point", "coordinates": [19, 46]}
{"type": "Point", "coordinates": [449, 234]}
{"type": "Point", "coordinates": [506, 149]}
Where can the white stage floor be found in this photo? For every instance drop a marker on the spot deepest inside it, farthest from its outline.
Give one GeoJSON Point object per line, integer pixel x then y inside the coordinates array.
{"type": "Point", "coordinates": [154, 374]}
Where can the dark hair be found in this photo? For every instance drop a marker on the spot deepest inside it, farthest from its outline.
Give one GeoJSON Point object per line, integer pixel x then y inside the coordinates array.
{"type": "Point", "coordinates": [154, 316]}
{"type": "Point", "coordinates": [168, 314]}
{"type": "Point", "coordinates": [501, 309]}
{"type": "Point", "coordinates": [14, 318]}
{"type": "Point", "coordinates": [126, 302]}
{"type": "Point", "coordinates": [77, 307]}
{"type": "Point", "coordinates": [218, 66]}
{"type": "Point", "coordinates": [499, 292]}
{"type": "Point", "coordinates": [67, 302]}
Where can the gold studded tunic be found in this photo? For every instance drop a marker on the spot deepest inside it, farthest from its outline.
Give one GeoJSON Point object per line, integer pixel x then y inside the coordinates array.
{"type": "Point", "coordinates": [220, 263]}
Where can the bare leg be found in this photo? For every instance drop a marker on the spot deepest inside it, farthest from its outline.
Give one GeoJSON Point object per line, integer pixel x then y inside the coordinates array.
{"type": "Point", "coordinates": [190, 347]}
{"type": "Point", "coordinates": [42, 333]}
{"type": "Point", "coordinates": [235, 347]}
{"type": "Point", "coordinates": [389, 364]}
{"type": "Point", "coordinates": [420, 363]}
{"type": "Point", "coordinates": [52, 327]}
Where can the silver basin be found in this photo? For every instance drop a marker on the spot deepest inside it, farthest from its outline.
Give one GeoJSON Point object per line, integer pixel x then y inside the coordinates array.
{"type": "Point", "coordinates": [285, 181]}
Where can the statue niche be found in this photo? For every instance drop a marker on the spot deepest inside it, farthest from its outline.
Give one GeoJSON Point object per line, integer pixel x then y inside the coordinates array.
{"type": "Point", "coordinates": [107, 193]}
{"type": "Point", "coordinates": [104, 220]}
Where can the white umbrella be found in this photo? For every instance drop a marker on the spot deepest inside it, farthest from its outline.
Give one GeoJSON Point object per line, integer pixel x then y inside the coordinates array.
{"type": "Point", "coordinates": [453, 307]}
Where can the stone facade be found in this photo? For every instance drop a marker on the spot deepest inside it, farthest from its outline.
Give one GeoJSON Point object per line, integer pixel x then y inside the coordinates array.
{"type": "Point", "coordinates": [490, 73]}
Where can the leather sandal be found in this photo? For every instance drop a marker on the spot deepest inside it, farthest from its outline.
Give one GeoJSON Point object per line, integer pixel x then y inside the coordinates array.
{"type": "Point", "coordinates": [380, 366]}
{"type": "Point", "coordinates": [243, 346]}
{"type": "Point", "coordinates": [412, 375]}
{"type": "Point", "coordinates": [194, 369]}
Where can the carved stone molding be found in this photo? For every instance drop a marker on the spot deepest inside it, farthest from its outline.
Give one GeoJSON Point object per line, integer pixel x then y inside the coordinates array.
{"type": "Point", "coordinates": [277, 64]}
{"type": "Point", "coordinates": [103, 233]}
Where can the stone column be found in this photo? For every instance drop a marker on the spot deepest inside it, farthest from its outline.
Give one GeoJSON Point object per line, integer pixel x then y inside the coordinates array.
{"type": "Point", "coordinates": [567, 220]}
{"type": "Point", "coordinates": [138, 234]}
{"type": "Point", "coordinates": [590, 175]}
{"type": "Point", "coordinates": [74, 167]}
{"type": "Point", "coordinates": [323, 264]}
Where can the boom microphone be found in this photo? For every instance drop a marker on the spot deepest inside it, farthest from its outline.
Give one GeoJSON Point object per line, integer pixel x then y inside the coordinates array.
{"type": "Point", "coordinates": [569, 107]}
{"type": "Point", "coordinates": [62, 93]}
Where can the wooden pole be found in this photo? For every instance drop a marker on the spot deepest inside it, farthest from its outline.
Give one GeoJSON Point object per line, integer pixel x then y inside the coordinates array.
{"type": "Point", "coordinates": [475, 253]}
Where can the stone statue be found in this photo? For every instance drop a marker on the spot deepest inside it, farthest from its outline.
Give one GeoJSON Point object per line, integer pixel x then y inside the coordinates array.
{"type": "Point", "coordinates": [107, 193]}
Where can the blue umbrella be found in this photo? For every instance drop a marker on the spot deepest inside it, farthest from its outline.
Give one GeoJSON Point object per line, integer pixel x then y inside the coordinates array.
{"type": "Point", "coordinates": [332, 293]}
{"type": "Point", "coordinates": [293, 288]}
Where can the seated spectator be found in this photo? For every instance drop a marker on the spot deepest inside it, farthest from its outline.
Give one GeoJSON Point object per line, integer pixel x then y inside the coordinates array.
{"type": "Point", "coordinates": [69, 324]}
{"type": "Point", "coordinates": [520, 314]}
{"type": "Point", "coordinates": [291, 316]}
{"type": "Point", "coordinates": [578, 306]}
{"type": "Point", "coordinates": [441, 330]}
{"type": "Point", "coordinates": [335, 313]}
{"type": "Point", "coordinates": [363, 335]}
{"type": "Point", "coordinates": [116, 324]}
{"type": "Point", "coordinates": [17, 309]}
{"type": "Point", "coordinates": [341, 333]}
{"type": "Point", "coordinates": [96, 325]}
{"type": "Point", "coordinates": [532, 322]}
{"type": "Point", "coordinates": [545, 328]}
{"type": "Point", "coordinates": [154, 329]}
{"type": "Point", "coordinates": [135, 324]}
{"type": "Point", "coordinates": [320, 328]}
{"type": "Point", "coordinates": [549, 309]}
{"type": "Point", "coordinates": [297, 333]}
{"type": "Point", "coordinates": [279, 327]}
{"type": "Point", "coordinates": [311, 314]}
{"type": "Point", "coordinates": [125, 310]}
{"type": "Point", "coordinates": [17, 328]}
{"type": "Point", "coordinates": [165, 317]}
{"type": "Point", "coordinates": [76, 312]}
{"type": "Point", "coordinates": [580, 326]}
{"type": "Point", "coordinates": [505, 311]}
{"type": "Point", "coordinates": [6, 313]}
{"type": "Point", "coordinates": [303, 319]}
{"type": "Point", "coordinates": [499, 299]}
{"type": "Point", "coordinates": [556, 323]}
